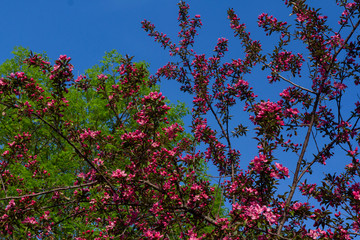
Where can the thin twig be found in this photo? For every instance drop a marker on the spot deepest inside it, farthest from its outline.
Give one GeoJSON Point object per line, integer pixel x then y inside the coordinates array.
{"type": "Point", "coordinates": [2, 182]}
{"type": "Point", "coordinates": [50, 191]}
{"type": "Point", "coordinates": [292, 83]}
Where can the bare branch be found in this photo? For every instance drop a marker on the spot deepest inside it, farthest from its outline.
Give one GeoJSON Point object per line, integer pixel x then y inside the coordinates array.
{"type": "Point", "coordinates": [292, 83]}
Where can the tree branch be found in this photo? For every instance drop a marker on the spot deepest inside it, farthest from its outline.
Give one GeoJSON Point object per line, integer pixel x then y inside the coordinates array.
{"type": "Point", "coordinates": [50, 191]}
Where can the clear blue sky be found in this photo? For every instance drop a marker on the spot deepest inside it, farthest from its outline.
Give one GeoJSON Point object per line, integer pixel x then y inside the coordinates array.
{"type": "Point", "coordinates": [85, 29]}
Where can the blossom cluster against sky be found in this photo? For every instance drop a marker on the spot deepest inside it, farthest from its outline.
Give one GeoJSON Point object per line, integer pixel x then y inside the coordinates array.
{"type": "Point", "coordinates": [84, 30]}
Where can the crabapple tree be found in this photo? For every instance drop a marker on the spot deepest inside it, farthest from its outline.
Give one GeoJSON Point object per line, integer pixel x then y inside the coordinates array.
{"type": "Point", "coordinates": [138, 175]}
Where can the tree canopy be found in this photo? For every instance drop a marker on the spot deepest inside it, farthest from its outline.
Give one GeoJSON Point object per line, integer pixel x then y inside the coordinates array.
{"type": "Point", "coordinates": [105, 156]}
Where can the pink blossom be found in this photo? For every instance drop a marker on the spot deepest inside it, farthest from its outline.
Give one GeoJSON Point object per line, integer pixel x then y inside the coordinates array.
{"type": "Point", "coordinates": [5, 152]}
{"type": "Point", "coordinates": [356, 194]}
{"type": "Point", "coordinates": [2, 83]}
{"type": "Point", "coordinates": [102, 76]}
{"type": "Point", "coordinates": [10, 205]}
{"type": "Point", "coordinates": [118, 173]}
{"type": "Point", "coordinates": [30, 220]}
{"type": "Point", "coordinates": [297, 205]}
{"type": "Point", "coordinates": [282, 169]}
{"type": "Point", "coordinates": [258, 163]}
{"type": "Point", "coordinates": [269, 215]}
{"type": "Point", "coordinates": [315, 234]}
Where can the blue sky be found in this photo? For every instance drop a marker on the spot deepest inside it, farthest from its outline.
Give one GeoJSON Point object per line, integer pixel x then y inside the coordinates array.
{"type": "Point", "coordinates": [85, 29]}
